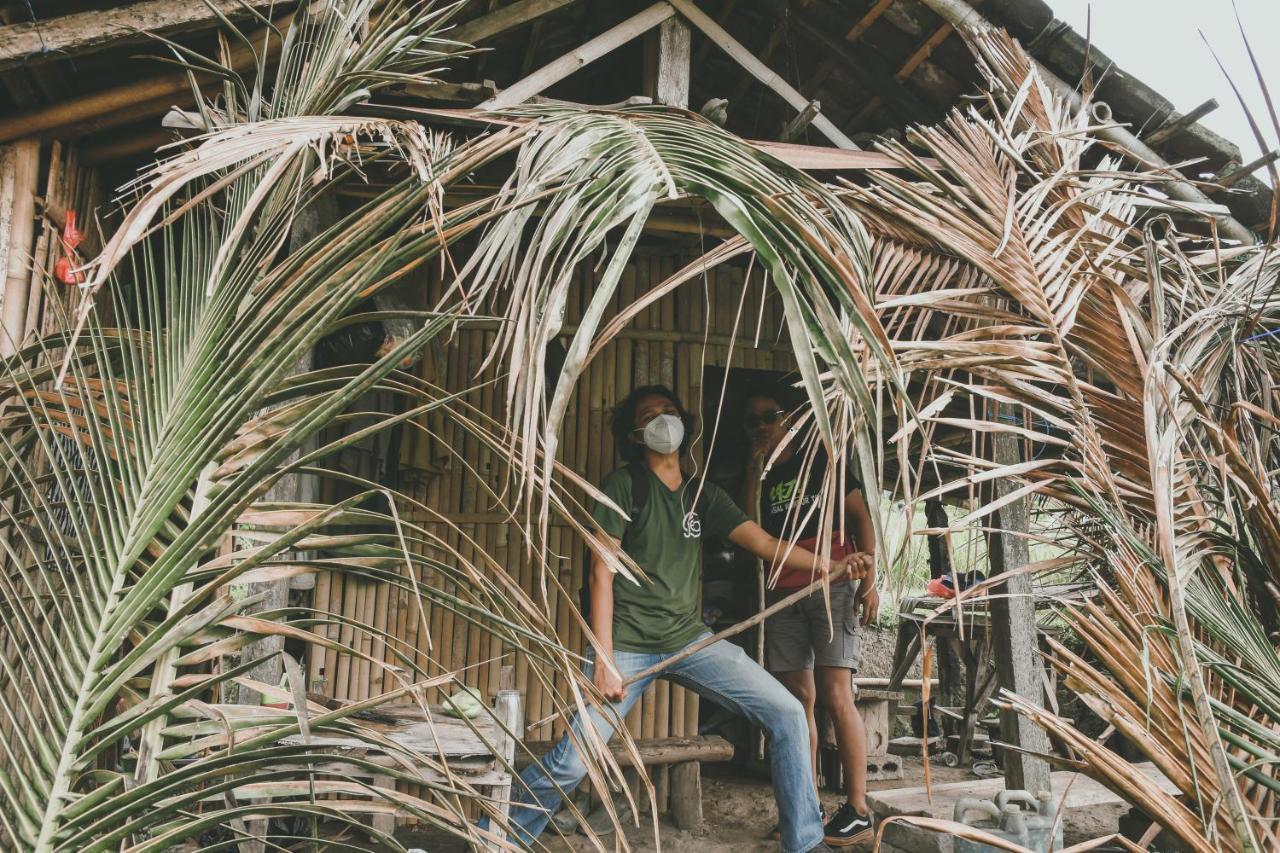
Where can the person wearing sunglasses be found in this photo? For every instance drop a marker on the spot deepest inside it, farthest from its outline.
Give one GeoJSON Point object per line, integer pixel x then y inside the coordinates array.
{"type": "Point", "coordinates": [637, 624]}
{"type": "Point", "coordinates": [812, 655]}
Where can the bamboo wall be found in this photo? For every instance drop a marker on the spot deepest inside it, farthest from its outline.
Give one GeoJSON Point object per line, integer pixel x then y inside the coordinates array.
{"type": "Point", "coordinates": [39, 182]}
{"type": "Point", "coordinates": [663, 345]}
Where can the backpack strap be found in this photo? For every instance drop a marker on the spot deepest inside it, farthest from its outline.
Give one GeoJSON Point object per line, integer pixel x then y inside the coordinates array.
{"type": "Point", "coordinates": [640, 481]}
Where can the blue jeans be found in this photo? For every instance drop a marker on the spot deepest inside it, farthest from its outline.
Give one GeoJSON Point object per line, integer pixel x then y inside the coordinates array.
{"type": "Point", "coordinates": [723, 673]}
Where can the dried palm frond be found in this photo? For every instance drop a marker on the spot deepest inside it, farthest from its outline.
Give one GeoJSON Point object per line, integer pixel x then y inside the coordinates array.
{"type": "Point", "coordinates": [1141, 405]}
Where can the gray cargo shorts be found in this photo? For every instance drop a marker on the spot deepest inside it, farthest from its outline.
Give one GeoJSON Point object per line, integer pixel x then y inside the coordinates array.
{"type": "Point", "coordinates": [798, 636]}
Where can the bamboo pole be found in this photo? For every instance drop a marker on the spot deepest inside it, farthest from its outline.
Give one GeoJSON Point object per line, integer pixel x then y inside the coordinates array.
{"type": "Point", "coordinates": [45, 255]}
{"type": "Point", "coordinates": [21, 171]}
{"type": "Point", "coordinates": [689, 651]}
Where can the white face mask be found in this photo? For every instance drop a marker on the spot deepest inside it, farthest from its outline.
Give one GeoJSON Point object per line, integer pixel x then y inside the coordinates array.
{"type": "Point", "coordinates": [663, 434]}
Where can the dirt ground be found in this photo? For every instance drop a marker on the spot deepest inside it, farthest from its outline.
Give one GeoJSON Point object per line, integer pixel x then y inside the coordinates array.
{"type": "Point", "coordinates": [740, 812]}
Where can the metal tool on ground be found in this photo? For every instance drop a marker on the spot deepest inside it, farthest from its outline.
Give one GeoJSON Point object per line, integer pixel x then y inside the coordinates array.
{"type": "Point", "coordinates": [1014, 816]}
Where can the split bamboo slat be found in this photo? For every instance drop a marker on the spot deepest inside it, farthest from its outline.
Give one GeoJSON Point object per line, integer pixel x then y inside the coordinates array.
{"type": "Point", "coordinates": [663, 345]}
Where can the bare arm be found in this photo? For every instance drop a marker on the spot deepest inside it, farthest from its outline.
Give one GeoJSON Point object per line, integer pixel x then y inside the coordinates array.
{"type": "Point", "coordinates": [752, 537]}
{"type": "Point", "coordinates": [605, 677]}
{"type": "Point", "coordinates": [858, 519]}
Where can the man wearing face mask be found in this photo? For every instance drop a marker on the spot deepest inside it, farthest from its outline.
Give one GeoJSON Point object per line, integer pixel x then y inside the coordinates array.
{"type": "Point", "coordinates": [638, 625]}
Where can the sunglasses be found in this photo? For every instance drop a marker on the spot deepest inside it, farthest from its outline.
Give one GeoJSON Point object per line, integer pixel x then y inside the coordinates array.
{"type": "Point", "coordinates": [751, 421]}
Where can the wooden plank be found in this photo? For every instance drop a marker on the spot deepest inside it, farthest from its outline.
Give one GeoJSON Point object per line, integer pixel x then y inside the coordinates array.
{"type": "Point", "coordinates": [581, 56]}
{"type": "Point", "coordinates": [36, 42]}
{"type": "Point", "coordinates": [721, 37]}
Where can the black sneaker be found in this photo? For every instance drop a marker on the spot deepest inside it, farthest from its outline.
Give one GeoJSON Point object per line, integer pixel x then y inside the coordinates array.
{"type": "Point", "coordinates": [847, 827]}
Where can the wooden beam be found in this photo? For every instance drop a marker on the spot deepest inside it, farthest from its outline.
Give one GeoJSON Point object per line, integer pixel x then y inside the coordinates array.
{"type": "Point", "coordinates": [674, 40]}
{"type": "Point", "coordinates": [1234, 176]}
{"type": "Point", "coordinates": [908, 68]}
{"type": "Point", "coordinates": [507, 18]}
{"type": "Point", "coordinates": [865, 22]}
{"type": "Point", "coordinates": [721, 37]}
{"type": "Point", "coordinates": [899, 97]}
{"type": "Point", "coordinates": [822, 158]}
{"type": "Point", "coordinates": [1181, 123]}
{"type": "Point", "coordinates": [792, 129]}
{"type": "Point", "coordinates": [36, 42]}
{"type": "Point", "coordinates": [584, 54]}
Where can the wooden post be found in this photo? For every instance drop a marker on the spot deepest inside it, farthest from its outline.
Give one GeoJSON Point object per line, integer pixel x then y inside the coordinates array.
{"type": "Point", "coordinates": [686, 795]}
{"type": "Point", "coordinates": [509, 711]}
{"type": "Point", "coordinates": [671, 74]}
{"type": "Point", "coordinates": [1013, 632]}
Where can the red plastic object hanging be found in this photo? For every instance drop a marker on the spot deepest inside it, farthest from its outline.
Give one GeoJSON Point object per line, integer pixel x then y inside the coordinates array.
{"type": "Point", "coordinates": [65, 270]}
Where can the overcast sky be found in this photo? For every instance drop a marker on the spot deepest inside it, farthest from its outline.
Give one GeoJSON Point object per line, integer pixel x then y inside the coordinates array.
{"type": "Point", "coordinates": [1159, 42]}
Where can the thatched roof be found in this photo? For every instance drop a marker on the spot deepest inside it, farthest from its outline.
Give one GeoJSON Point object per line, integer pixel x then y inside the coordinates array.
{"type": "Point", "coordinates": [875, 66]}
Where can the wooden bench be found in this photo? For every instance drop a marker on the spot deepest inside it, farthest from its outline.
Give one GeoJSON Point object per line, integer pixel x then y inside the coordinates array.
{"type": "Point", "coordinates": [685, 755]}
{"type": "Point", "coordinates": [477, 751]}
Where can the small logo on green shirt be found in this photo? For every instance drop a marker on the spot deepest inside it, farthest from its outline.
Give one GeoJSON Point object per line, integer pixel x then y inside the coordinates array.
{"type": "Point", "coordinates": [692, 526]}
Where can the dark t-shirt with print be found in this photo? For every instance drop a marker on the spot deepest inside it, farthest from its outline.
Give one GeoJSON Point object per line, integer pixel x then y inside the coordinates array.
{"type": "Point", "coordinates": [785, 500]}
{"type": "Point", "coordinates": [783, 489]}
{"type": "Point", "coordinates": [661, 614]}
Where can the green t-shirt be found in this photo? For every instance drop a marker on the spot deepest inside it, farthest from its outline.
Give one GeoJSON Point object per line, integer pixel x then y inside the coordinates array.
{"type": "Point", "coordinates": [661, 614]}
